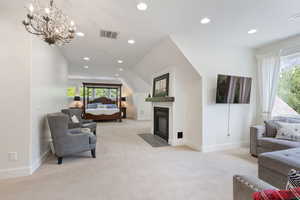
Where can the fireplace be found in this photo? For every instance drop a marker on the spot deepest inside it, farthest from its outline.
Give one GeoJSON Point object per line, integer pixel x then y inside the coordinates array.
{"type": "Point", "coordinates": [161, 122]}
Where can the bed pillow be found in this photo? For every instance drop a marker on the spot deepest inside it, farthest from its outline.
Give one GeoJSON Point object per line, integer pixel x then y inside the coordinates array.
{"type": "Point", "coordinates": [101, 106]}
{"type": "Point", "coordinates": [74, 119]}
{"type": "Point", "coordinates": [288, 131]}
{"type": "Point", "coordinates": [92, 106]}
{"type": "Point", "coordinates": [111, 106]}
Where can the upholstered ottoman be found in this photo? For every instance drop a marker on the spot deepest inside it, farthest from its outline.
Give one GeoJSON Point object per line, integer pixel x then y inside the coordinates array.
{"type": "Point", "coordinates": [273, 167]}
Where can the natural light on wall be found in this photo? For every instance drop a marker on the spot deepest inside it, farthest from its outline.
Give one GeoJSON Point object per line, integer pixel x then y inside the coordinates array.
{"type": "Point", "coordinates": [288, 93]}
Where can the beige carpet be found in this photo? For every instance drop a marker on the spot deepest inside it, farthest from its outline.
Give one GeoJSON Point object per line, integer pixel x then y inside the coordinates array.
{"type": "Point", "coordinates": [128, 168]}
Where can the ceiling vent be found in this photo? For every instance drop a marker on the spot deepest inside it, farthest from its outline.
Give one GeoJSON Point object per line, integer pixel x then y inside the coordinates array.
{"type": "Point", "coordinates": [109, 34]}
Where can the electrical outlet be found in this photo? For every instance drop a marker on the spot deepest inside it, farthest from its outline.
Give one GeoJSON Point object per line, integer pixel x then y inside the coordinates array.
{"type": "Point", "coordinates": [12, 156]}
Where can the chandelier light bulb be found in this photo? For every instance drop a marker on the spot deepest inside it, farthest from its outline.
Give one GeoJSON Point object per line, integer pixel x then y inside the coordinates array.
{"type": "Point", "coordinates": [31, 8]}
{"type": "Point", "coordinates": [72, 23]}
{"type": "Point", "coordinates": [47, 10]}
{"type": "Point", "coordinates": [142, 6]}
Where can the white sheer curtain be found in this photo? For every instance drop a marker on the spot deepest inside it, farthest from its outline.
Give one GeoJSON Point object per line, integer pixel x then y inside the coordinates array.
{"type": "Point", "coordinates": [268, 75]}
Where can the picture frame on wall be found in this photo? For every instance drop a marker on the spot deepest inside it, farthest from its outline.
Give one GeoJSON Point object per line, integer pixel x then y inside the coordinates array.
{"type": "Point", "coordinates": [161, 86]}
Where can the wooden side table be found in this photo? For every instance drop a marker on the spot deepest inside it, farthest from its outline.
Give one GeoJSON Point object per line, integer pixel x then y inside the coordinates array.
{"type": "Point", "coordinates": [123, 110]}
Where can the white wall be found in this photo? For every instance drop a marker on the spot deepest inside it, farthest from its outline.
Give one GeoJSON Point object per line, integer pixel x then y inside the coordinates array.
{"type": "Point", "coordinates": [185, 86]}
{"type": "Point", "coordinates": [32, 79]}
{"type": "Point", "coordinates": [211, 57]}
{"type": "Point", "coordinates": [49, 73]}
{"type": "Point", "coordinates": [15, 97]}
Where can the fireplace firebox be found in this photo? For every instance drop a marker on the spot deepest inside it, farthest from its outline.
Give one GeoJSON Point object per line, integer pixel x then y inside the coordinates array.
{"type": "Point", "coordinates": [161, 122]}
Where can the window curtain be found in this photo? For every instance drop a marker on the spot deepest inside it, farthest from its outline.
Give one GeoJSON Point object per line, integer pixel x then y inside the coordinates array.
{"type": "Point", "coordinates": [268, 76]}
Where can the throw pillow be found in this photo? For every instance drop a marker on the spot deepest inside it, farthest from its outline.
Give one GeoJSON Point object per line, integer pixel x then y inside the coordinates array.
{"type": "Point", "coordinates": [271, 128]}
{"type": "Point", "coordinates": [288, 131]}
{"type": "Point", "coordinates": [74, 119]}
{"type": "Point", "coordinates": [293, 179]}
{"type": "Point", "coordinates": [277, 194]}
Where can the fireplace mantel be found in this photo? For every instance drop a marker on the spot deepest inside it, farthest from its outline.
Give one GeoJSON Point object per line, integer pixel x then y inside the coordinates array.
{"type": "Point", "coordinates": [160, 99]}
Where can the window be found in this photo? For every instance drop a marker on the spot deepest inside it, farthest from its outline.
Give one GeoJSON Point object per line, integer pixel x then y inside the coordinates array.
{"type": "Point", "coordinates": [111, 93]}
{"type": "Point", "coordinates": [288, 94]}
{"type": "Point", "coordinates": [71, 91]}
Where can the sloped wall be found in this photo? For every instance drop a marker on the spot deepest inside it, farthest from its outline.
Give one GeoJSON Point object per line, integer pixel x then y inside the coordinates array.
{"type": "Point", "coordinates": [211, 57]}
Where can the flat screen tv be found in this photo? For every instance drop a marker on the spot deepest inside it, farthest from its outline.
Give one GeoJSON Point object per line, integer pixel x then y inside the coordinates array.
{"type": "Point", "coordinates": [233, 89]}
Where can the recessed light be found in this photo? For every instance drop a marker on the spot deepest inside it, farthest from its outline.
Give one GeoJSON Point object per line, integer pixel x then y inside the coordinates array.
{"type": "Point", "coordinates": [86, 67]}
{"type": "Point", "coordinates": [252, 31]}
{"type": "Point", "coordinates": [120, 61]}
{"type": "Point", "coordinates": [121, 69]}
{"type": "Point", "coordinates": [142, 6]}
{"type": "Point", "coordinates": [117, 75]}
{"type": "Point", "coordinates": [86, 58]}
{"type": "Point", "coordinates": [205, 20]}
{"type": "Point", "coordinates": [80, 34]}
{"type": "Point", "coordinates": [131, 41]}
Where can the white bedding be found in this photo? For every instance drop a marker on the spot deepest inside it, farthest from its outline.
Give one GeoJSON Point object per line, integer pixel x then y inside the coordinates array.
{"type": "Point", "coordinates": [102, 111]}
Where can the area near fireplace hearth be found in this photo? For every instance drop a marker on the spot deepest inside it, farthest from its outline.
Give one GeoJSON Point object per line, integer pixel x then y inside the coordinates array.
{"type": "Point", "coordinates": [175, 115]}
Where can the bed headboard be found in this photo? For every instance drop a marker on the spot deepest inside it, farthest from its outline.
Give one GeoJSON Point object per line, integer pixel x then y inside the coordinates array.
{"type": "Point", "coordinates": [103, 100]}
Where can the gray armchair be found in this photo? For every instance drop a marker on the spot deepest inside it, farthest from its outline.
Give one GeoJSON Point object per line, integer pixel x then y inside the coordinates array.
{"type": "Point", "coordinates": [83, 123]}
{"type": "Point", "coordinates": [69, 141]}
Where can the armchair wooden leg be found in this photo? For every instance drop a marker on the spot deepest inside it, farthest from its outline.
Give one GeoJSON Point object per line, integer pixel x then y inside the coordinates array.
{"type": "Point", "coordinates": [59, 160]}
{"type": "Point", "coordinates": [93, 151]}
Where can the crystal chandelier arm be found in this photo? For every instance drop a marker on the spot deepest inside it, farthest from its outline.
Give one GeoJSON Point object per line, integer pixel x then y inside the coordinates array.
{"type": "Point", "coordinates": [34, 33]}
{"type": "Point", "coordinates": [38, 32]}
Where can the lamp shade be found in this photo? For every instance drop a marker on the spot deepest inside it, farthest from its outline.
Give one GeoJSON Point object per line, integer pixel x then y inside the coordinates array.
{"type": "Point", "coordinates": [77, 98]}
{"type": "Point", "coordinates": [123, 99]}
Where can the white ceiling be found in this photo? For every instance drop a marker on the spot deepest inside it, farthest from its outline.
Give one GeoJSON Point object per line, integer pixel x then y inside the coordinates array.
{"type": "Point", "coordinates": [231, 19]}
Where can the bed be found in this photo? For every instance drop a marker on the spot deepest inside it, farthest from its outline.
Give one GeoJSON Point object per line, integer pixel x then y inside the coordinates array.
{"type": "Point", "coordinates": [102, 108]}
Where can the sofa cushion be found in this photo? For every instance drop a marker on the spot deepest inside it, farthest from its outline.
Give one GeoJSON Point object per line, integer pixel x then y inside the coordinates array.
{"type": "Point", "coordinates": [277, 144]}
{"type": "Point", "coordinates": [281, 162]}
{"type": "Point", "coordinates": [288, 131]}
{"type": "Point", "coordinates": [272, 125]}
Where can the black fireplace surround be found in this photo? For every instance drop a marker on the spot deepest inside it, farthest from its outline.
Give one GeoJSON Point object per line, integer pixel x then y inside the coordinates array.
{"type": "Point", "coordinates": [161, 122]}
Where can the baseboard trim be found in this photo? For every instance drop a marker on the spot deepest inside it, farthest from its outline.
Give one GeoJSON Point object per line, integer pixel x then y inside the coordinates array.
{"type": "Point", "coordinates": [39, 162]}
{"type": "Point", "coordinates": [222, 147]}
{"type": "Point", "coordinates": [15, 172]}
{"type": "Point", "coordinates": [24, 171]}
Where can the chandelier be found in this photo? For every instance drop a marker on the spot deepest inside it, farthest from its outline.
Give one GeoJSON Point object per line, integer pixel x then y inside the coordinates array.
{"type": "Point", "coordinates": [49, 23]}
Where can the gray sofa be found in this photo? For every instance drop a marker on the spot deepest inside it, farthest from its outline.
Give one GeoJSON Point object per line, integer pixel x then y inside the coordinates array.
{"type": "Point", "coordinates": [262, 138]}
{"type": "Point", "coordinates": [69, 141]}
{"type": "Point", "coordinates": [275, 159]}
{"type": "Point", "coordinates": [83, 123]}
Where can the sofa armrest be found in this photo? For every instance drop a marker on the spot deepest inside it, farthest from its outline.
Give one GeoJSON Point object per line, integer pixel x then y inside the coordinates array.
{"type": "Point", "coordinates": [256, 132]}
{"type": "Point", "coordinates": [245, 186]}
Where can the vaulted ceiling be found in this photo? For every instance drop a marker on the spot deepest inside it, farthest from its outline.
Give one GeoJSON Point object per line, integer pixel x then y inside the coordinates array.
{"type": "Point", "coordinates": [230, 22]}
